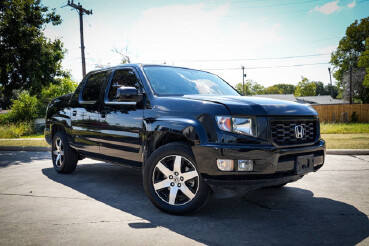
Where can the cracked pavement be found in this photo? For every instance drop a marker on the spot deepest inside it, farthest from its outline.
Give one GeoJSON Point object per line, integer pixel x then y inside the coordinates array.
{"type": "Point", "coordinates": [105, 204]}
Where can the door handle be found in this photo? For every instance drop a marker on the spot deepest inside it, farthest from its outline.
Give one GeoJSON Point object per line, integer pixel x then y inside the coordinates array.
{"type": "Point", "coordinates": [74, 113]}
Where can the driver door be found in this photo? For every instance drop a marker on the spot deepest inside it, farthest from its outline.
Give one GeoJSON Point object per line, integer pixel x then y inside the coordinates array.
{"type": "Point", "coordinates": [121, 122]}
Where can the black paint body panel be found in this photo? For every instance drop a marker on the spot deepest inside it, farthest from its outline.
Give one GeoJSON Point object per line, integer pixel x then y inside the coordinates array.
{"type": "Point", "coordinates": [125, 134]}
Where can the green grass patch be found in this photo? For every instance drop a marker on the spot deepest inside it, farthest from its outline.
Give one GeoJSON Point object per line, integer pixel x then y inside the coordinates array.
{"type": "Point", "coordinates": [341, 128]}
{"type": "Point", "coordinates": [24, 143]}
{"type": "Point", "coordinates": [347, 141]}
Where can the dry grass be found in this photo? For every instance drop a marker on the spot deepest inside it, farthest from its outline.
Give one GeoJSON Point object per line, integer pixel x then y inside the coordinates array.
{"type": "Point", "coordinates": [347, 141]}
{"type": "Point", "coordinates": [24, 143]}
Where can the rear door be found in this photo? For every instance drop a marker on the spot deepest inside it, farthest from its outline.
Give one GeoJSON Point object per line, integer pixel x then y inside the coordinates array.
{"type": "Point", "coordinates": [85, 115]}
{"type": "Point", "coordinates": [122, 122]}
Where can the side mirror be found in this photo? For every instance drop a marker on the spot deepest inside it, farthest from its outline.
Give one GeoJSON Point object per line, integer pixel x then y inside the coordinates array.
{"type": "Point", "coordinates": [128, 94]}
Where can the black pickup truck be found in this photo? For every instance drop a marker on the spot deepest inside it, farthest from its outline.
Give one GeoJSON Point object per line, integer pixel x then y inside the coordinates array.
{"type": "Point", "coordinates": [189, 131]}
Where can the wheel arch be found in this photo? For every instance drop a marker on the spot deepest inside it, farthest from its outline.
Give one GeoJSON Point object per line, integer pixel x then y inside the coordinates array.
{"type": "Point", "coordinates": [173, 130]}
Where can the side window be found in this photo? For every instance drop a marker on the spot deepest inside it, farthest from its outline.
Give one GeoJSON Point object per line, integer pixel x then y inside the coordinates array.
{"type": "Point", "coordinates": [123, 77]}
{"type": "Point", "coordinates": [91, 91]}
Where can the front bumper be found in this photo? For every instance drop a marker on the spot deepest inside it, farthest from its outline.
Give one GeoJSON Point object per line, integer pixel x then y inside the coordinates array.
{"type": "Point", "coordinates": [272, 165]}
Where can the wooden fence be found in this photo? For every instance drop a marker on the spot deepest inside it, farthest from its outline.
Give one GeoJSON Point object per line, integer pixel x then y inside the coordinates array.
{"type": "Point", "coordinates": [343, 112]}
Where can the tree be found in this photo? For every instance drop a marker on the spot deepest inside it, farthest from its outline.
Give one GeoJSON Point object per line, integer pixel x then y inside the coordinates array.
{"type": "Point", "coordinates": [350, 48]}
{"type": "Point", "coordinates": [280, 89]}
{"type": "Point", "coordinates": [360, 93]}
{"type": "Point", "coordinates": [364, 62]}
{"type": "Point", "coordinates": [305, 88]}
{"type": "Point", "coordinates": [273, 90]}
{"type": "Point", "coordinates": [320, 89]}
{"type": "Point", "coordinates": [251, 88]}
{"type": "Point", "coordinates": [28, 60]}
{"type": "Point", "coordinates": [335, 91]}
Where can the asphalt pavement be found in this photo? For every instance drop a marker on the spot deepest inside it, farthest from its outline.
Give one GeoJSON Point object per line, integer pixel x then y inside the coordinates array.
{"type": "Point", "coordinates": [105, 204]}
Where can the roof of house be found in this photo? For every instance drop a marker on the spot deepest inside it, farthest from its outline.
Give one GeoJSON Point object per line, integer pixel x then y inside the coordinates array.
{"type": "Point", "coordinates": [326, 99]}
{"type": "Point", "coordinates": [286, 97]}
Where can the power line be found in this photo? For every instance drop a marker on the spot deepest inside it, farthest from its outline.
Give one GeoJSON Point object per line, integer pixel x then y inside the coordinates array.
{"type": "Point", "coordinates": [256, 59]}
{"type": "Point", "coordinates": [281, 66]}
{"type": "Point", "coordinates": [253, 1]}
{"type": "Point", "coordinates": [279, 4]}
{"type": "Point", "coordinates": [281, 12]}
{"type": "Point", "coordinates": [295, 65]}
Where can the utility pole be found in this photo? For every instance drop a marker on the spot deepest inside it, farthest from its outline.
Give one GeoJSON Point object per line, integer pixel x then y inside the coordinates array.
{"type": "Point", "coordinates": [350, 84]}
{"type": "Point", "coordinates": [243, 79]}
{"type": "Point", "coordinates": [330, 78]}
{"type": "Point", "coordinates": [81, 12]}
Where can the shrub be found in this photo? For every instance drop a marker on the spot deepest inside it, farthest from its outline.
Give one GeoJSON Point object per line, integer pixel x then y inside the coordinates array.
{"type": "Point", "coordinates": [5, 118]}
{"type": "Point", "coordinates": [65, 86]}
{"type": "Point", "coordinates": [16, 130]}
{"type": "Point", "coordinates": [24, 108]}
{"type": "Point", "coordinates": [354, 117]}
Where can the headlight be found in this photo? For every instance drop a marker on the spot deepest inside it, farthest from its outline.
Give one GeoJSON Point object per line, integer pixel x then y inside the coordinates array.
{"type": "Point", "coordinates": [246, 126]}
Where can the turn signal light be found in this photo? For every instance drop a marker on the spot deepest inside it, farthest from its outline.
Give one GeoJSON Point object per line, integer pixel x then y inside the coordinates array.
{"type": "Point", "coordinates": [225, 165]}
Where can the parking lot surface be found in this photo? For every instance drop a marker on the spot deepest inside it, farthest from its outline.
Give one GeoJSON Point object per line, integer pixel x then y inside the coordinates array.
{"type": "Point", "coordinates": [104, 204]}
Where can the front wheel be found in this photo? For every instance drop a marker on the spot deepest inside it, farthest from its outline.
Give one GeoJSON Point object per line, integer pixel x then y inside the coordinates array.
{"type": "Point", "coordinates": [172, 182]}
{"type": "Point", "coordinates": [63, 156]}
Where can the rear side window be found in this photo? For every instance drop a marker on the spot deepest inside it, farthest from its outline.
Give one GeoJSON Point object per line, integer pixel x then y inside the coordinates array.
{"type": "Point", "coordinates": [122, 77]}
{"type": "Point", "coordinates": [91, 91]}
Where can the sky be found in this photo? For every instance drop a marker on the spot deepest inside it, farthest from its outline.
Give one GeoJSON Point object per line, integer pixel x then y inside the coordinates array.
{"type": "Point", "coordinates": [276, 41]}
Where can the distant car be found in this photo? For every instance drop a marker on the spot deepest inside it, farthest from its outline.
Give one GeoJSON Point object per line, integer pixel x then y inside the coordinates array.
{"type": "Point", "coordinates": [189, 131]}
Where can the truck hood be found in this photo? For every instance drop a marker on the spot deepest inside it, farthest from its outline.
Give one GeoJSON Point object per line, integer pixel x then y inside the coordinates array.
{"type": "Point", "coordinates": [239, 105]}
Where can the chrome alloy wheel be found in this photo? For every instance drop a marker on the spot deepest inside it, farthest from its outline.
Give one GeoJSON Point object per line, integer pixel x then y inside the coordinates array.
{"type": "Point", "coordinates": [175, 180]}
{"type": "Point", "coordinates": [58, 153]}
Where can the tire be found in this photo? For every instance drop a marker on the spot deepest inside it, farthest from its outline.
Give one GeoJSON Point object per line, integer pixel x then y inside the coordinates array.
{"type": "Point", "coordinates": [64, 158]}
{"type": "Point", "coordinates": [172, 182]}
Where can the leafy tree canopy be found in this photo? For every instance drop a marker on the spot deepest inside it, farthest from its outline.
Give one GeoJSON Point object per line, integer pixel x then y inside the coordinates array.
{"type": "Point", "coordinates": [353, 50]}
{"type": "Point", "coordinates": [350, 47]}
{"type": "Point", "coordinates": [251, 88]}
{"type": "Point", "coordinates": [327, 90]}
{"type": "Point", "coordinates": [364, 62]}
{"type": "Point", "coordinates": [280, 89]}
{"type": "Point", "coordinates": [319, 88]}
{"type": "Point", "coordinates": [305, 88]}
{"type": "Point", "coordinates": [64, 86]}
{"type": "Point", "coordinates": [28, 60]}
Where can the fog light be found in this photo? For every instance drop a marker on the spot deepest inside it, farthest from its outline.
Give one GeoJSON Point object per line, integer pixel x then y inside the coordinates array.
{"type": "Point", "coordinates": [245, 165]}
{"type": "Point", "coordinates": [225, 165]}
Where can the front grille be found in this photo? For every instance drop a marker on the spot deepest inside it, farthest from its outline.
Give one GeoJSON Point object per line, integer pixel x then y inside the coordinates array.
{"type": "Point", "coordinates": [283, 131]}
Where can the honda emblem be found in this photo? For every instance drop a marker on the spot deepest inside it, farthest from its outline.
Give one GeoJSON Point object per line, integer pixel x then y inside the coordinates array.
{"type": "Point", "coordinates": [299, 131]}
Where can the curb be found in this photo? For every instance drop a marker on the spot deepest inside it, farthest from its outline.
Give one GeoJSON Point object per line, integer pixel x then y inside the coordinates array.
{"type": "Point", "coordinates": [22, 139]}
{"type": "Point", "coordinates": [347, 152]}
{"type": "Point", "coordinates": [24, 148]}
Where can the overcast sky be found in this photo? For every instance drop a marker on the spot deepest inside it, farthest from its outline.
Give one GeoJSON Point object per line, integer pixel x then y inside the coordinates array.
{"type": "Point", "coordinates": [270, 38]}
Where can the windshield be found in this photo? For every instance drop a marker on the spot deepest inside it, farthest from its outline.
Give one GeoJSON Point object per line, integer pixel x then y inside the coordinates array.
{"type": "Point", "coordinates": [172, 81]}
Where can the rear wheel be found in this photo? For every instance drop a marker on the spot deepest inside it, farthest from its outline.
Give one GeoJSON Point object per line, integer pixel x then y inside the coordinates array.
{"type": "Point", "coordinates": [63, 156]}
{"type": "Point", "coordinates": [172, 182]}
